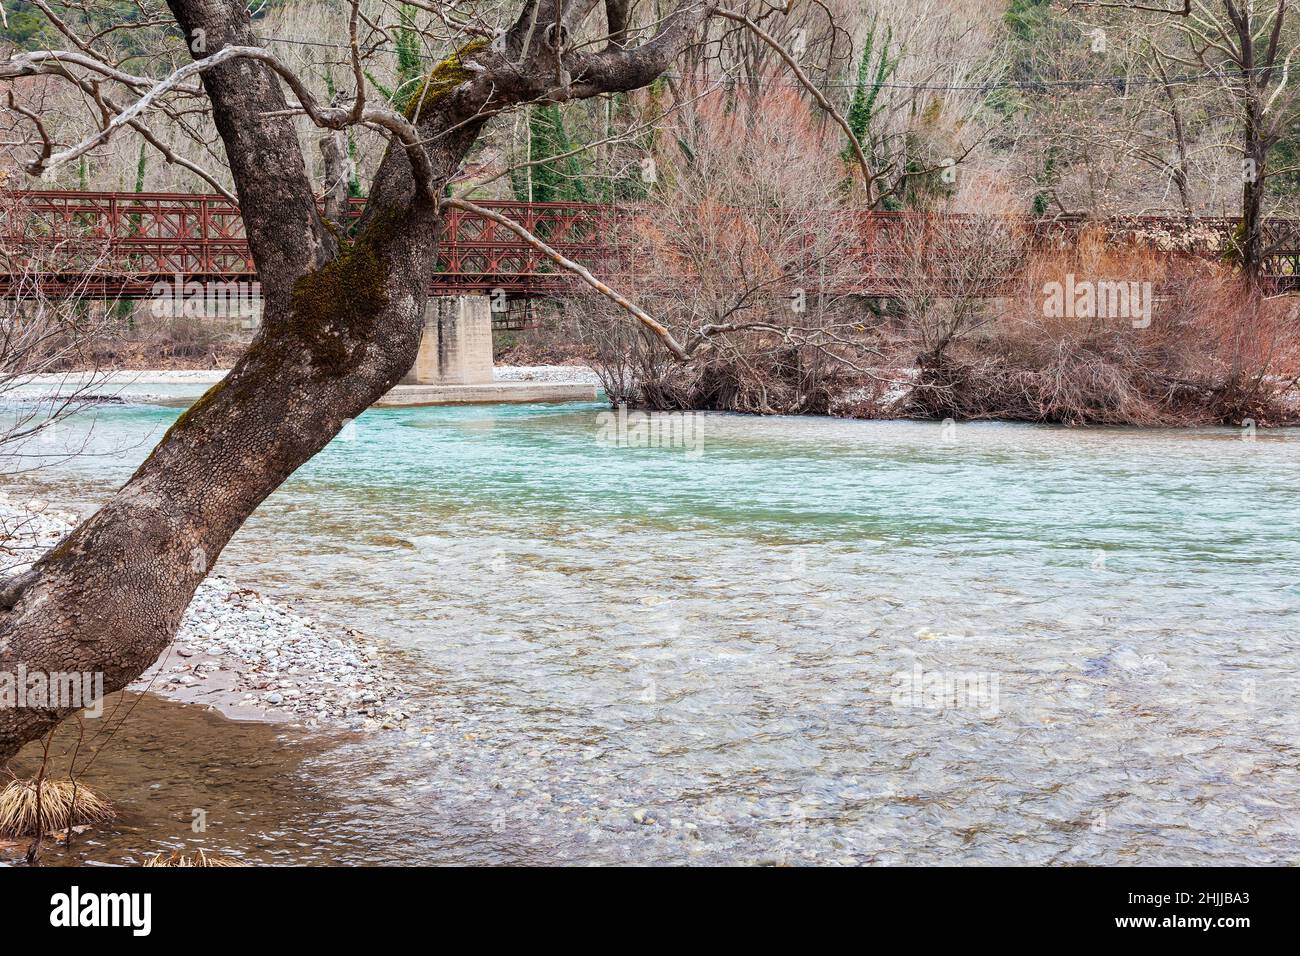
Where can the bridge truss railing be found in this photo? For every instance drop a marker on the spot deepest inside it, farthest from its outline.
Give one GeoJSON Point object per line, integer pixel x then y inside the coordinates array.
{"type": "Point", "coordinates": [121, 244]}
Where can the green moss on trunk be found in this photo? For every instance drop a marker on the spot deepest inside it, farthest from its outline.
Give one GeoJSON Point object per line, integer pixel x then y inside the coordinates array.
{"type": "Point", "coordinates": [335, 307]}
{"type": "Point", "coordinates": [444, 78]}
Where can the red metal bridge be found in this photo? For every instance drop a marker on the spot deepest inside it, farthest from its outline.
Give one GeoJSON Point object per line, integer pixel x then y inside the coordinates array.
{"type": "Point", "coordinates": [110, 245]}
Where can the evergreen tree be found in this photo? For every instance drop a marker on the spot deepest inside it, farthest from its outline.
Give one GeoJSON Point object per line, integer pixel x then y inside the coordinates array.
{"type": "Point", "coordinates": [553, 177]}
{"type": "Point", "coordinates": [410, 64]}
{"type": "Point", "coordinates": [874, 69]}
{"type": "Point", "coordinates": [1025, 18]}
{"type": "Point", "coordinates": [140, 167]}
{"type": "Point", "coordinates": [1047, 180]}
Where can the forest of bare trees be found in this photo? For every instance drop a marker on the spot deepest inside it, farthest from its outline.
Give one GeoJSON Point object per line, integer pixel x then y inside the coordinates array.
{"type": "Point", "coordinates": [1080, 108]}
{"type": "Point", "coordinates": [1025, 108]}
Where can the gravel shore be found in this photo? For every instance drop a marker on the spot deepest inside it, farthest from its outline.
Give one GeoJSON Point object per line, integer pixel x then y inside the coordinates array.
{"type": "Point", "coordinates": [106, 381]}
{"type": "Point", "coordinates": [107, 378]}
{"type": "Point", "coordinates": [244, 654]}
{"type": "Point", "coordinates": [579, 374]}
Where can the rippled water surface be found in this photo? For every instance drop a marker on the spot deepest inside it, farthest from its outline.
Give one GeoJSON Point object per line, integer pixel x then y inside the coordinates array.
{"type": "Point", "coordinates": [816, 640]}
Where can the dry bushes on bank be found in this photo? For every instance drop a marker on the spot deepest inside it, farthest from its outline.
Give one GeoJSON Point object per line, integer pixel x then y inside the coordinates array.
{"type": "Point", "coordinates": [745, 255]}
{"type": "Point", "coordinates": [172, 342]}
{"type": "Point", "coordinates": [1211, 351]}
{"type": "Point", "coordinates": [1167, 341]}
{"type": "Point", "coordinates": [741, 255]}
{"type": "Point", "coordinates": [128, 336]}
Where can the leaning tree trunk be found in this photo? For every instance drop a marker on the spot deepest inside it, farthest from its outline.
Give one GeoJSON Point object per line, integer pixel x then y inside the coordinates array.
{"type": "Point", "coordinates": [339, 329]}
{"type": "Point", "coordinates": [341, 325]}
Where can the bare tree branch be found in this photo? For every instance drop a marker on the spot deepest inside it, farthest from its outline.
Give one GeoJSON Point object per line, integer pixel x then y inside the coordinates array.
{"type": "Point", "coordinates": [676, 348]}
{"type": "Point", "coordinates": [867, 175]}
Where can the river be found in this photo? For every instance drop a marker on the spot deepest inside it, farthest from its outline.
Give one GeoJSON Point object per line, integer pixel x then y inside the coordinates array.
{"type": "Point", "coordinates": [806, 640]}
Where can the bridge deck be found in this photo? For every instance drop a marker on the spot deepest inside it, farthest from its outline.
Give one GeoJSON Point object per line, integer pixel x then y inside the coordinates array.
{"type": "Point", "coordinates": [121, 244]}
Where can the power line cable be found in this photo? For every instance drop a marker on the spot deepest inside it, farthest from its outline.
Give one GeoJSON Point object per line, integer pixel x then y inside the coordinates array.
{"type": "Point", "coordinates": [1035, 84]}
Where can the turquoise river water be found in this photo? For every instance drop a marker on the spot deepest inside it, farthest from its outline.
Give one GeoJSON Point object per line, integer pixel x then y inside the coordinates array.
{"type": "Point", "coordinates": [808, 640]}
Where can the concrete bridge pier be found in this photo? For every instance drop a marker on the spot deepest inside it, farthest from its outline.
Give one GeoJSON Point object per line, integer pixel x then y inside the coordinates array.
{"type": "Point", "coordinates": [457, 345]}
{"type": "Point", "coordinates": [454, 364]}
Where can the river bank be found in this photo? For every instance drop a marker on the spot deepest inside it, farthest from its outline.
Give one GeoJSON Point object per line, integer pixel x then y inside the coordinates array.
{"type": "Point", "coordinates": [109, 379]}
{"type": "Point", "coordinates": [175, 387]}
{"type": "Point", "coordinates": [892, 394]}
{"type": "Point", "coordinates": [245, 655]}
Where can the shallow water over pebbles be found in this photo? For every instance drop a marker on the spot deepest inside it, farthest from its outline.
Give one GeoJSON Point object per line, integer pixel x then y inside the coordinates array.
{"type": "Point", "coordinates": [815, 640]}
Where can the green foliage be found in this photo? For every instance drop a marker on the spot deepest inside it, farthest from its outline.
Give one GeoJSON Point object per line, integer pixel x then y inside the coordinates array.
{"type": "Point", "coordinates": [1285, 156]}
{"type": "Point", "coordinates": [1039, 33]}
{"type": "Point", "coordinates": [354, 182]}
{"type": "Point", "coordinates": [141, 166]}
{"type": "Point", "coordinates": [552, 179]}
{"type": "Point", "coordinates": [410, 65]}
{"type": "Point", "coordinates": [30, 30]}
{"type": "Point", "coordinates": [386, 91]}
{"type": "Point", "coordinates": [875, 68]}
{"type": "Point", "coordinates": [920, 180]}
{"type": "Point", "coordinates": [687, 150]}
{"type": "Point", "coordinates": [629, 184]}
{"type": "Point", "coordinates": [1025, 19]}
{"type": "Point", "coordinates": [1046, 45]}
{"type": "Point", "coordinates": [1047, 180]}
{"type": "Point", "coordinates": [921, 183]}
{"type": "Point", "coordinates": [553, 176]}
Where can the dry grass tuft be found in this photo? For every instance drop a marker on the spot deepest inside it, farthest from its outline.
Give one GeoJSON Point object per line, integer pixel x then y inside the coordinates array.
{"type": "Point", "coordinates": [62, 803]}
{"type": "Point", "coordinates": [197, 858]}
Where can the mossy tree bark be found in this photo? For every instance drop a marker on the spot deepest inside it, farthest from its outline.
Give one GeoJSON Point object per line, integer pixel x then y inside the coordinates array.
{"type": "Point", "coordinates": [341, 325]}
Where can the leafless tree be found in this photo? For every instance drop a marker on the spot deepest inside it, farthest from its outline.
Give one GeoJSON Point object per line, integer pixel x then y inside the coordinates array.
{"type": "Point", "coordinates": [947, 269]}
{"type": "Point", "coordinates": [744, 256]}
{"type": "Point", "coordinates": [1249, 50]}
{"type": "Point", "coordinates": [43, 337]}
